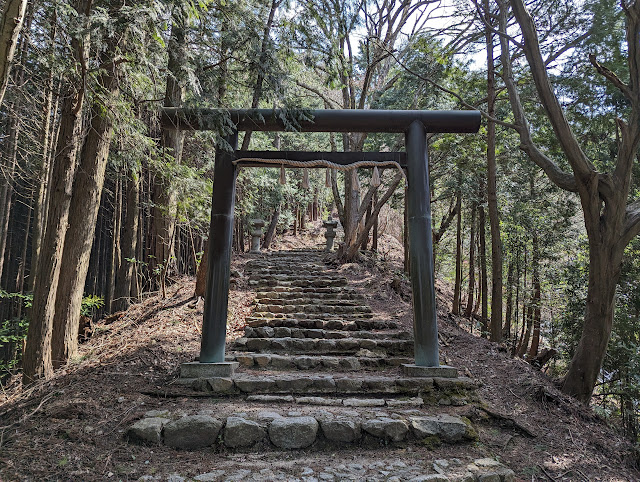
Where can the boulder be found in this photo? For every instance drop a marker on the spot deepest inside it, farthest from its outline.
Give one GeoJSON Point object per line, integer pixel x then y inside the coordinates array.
{"type": "Point", "coordinates": [293, 432]}
{"type": "Point", "coordinates": [386, 428]}
{"type": "Point", "coordinates": [240, 432]}
{"type": "Point", "coordinates": [147, 430]}
{"type": "Point", "coordinates": [341, 430]}
{"type": "Point", "coordinates": [192, 432]}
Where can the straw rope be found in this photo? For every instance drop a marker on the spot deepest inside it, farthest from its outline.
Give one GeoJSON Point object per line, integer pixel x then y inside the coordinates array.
{"type": "Point", "coordinates": [323, 163]}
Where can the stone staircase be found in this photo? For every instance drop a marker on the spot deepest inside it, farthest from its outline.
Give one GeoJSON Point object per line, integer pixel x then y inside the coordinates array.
{"type": "Point", "coordinates": [318, 369]}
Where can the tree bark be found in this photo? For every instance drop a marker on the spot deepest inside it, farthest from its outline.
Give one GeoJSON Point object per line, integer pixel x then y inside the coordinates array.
{"type": "Point", "coordinates": [271, 231]}
{"type": "Point", "coordinates": [46, 134]}
{"type": "Point", "coordinates": [483, 272]}
{"type": "Point", "coordinates": [122, 292]}
{"type": "Point", "coordinates": [492, 196]}
{"type": "Point", "coordinates": [11, 22]}
{"type": "Point", "coordinates": [472, 262]}
{"type": "Point", "coordinates": [537, 299]}
{"type": "Point", "coordinates": [457, 288]}
{"type": "Point", "coordinates": [164, 194]}
{"type": "Point", "coordinates": [506, 330]}
{"type": "Point", "coordinates": [83, 214]}
{"type": "Point", "coordinates": [352, 251]}
{"type": "Point", "coordinates": [37, 356]}
{"type": "Point", "coordinates": [115, 252]}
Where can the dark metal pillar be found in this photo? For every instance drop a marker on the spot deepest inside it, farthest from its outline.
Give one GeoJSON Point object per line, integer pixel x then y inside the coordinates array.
{"type": "Point", "coordinates": [214, 325]}
{"type": "Point", "coordinates": [425, 324]}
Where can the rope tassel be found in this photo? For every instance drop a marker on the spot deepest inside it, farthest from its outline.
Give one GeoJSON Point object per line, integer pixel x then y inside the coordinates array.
{"type": "Point", "coordinates": [305, 178]}
{"type": "Point", "coordinates": [283, 176]}
{"type": "Point", "coordinates": [375, 177]}
{"type": "Point", "coordinates": [327, 178]}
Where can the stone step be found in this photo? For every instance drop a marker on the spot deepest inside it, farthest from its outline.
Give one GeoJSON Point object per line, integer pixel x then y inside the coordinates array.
{"type": "Point", "coordinates": [315, 315]}
{"type": "Point", "coordinates": [327, 324]}
{"type": "Point", "coordinates": [311, 308]}
{"type": "Point", "coordinates": [329, 290]}
{"type": "Point", "coordinates": [301, 282]}
{"type": "Point", "coordinates": [308, 269]}
{"type": "Point", "coordinates": [326, 346]}
{"type": "Point", "coordinates": [342, 294]}
{"type": "Point", "coordinates": [317, 362]}
{"type": "Point", "coordinates": [283, 332]}
{"type": "Point", "coordinates": [326, 302]}
{"type": "Point", "coordinates": [296, 276]}
{"type": "Point", "coordinates": [457, 391]}
{"type": "Point", "coordinates": [300, 429]}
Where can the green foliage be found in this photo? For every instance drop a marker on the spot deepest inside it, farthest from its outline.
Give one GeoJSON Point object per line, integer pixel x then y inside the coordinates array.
{"type": "Point", "coordinates": [90, 305]}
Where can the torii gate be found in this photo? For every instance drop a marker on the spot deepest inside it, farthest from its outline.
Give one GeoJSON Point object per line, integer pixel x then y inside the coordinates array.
{"type": "Point", "coordinates": [415, 124]}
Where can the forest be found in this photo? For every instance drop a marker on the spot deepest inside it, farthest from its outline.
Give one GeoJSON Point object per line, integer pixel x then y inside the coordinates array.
{"type": "Point", "coordinates": [535, 219]}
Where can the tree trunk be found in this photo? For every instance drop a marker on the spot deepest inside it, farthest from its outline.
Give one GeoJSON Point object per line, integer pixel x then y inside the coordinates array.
{"type": "Point", "coordinates": [374, 241]}
{"type": "Point", "coordinates": [115, 254]}
{"type": "Point", "coordinates": [271, 231]}
{"type": "Point", "coordinates": [537, 299]}
{"type": "Point", "coordinates": [262, 61]}
{"type": "Point", "coordinates": [506, 330]}
{"type": "Point", "coordinates": [83, 214]}
{"type": "Point", "coordinates": [43, 171]}
{"type": "Point", "coordinates": [483, 272]}
{"type": "Point", "coordinates": [455, 309]}
{"type": "Point", "coordinates": [472, 262]}
{"type": "Point", "coordinates": [37, 356]}
{"type": "Point", "coordinates": [405, 233]}
{"type": "Point", "coordinates": [122, 292]}
{"type": "Point", "coordinates": [201, 276]}
{"type": "Point", "coordinates": [492, 197]}
{"type": "Point", "coordinates": [13, 14]}
{"type": "Point", "coordinates": [528, 323]}
{"type": "Point", "coordinates": [164, 195]}
{"type": "Point", "coordinates": [604, 272]}
{"type": "Point", "coordinates": [6, 192]}
{"type": "Point", "coordinates": [352, 251]}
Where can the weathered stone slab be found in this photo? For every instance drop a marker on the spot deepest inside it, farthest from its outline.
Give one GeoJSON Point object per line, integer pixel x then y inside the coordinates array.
{"type": "Point", "coordinates": [363, 402]}
{"type": "Point", "coordinates": [449, 428]}
{"type": "Point", "coordinates": [270, 398]}
{"type": "Point", "coordinates": [147, 430]}
{"type": "Point", "coordinates": [319, 401]}
{"type": "Point", "coordinates": [443, 371]}
{"type": "Point", "coordinates": [240, 432]}
{"type": "Point", "coordinates": [192, 432]}
{"type": "Point", "coordinates": [293, 432]}
{"type": "Point", "coordinates": [251, 385]}
{"type": "Point", "coordinates": [207, 370]}
{"type": "Point", "coordinates": [386, 428]}
{"type": "Point", "coordinates": [341, 430]}
{"type": "Point", "coordinates": [221, 385]}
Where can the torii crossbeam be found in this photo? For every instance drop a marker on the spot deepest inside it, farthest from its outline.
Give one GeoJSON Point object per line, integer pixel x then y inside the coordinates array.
{"type": "Point", "coordinates": [415, 124]}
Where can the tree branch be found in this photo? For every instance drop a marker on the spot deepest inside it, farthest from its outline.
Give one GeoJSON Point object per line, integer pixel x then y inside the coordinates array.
{"type": "Point", "coordinates": [328, 101]}
{"type": "Point", "coordinates": [568, 46]}
{"type": "Point", "coordinates": [562, 179]}
{"type": "Point", "coordinates": [610, 76]}
{"type": "Point", "coordinates": [353, 249]}
{"type": "Point", "coordinates": [454, 94]}
{"type": "Point", "coordinates": [632, 223]}
{"type": "Point", "coordinates": [579, 162]}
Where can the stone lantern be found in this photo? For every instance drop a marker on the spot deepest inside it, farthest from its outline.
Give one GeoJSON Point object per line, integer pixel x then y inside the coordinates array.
{"type": "Point", "coordinates": [256, 226]}
{"type": "Point", "coordinates": [330, 225]}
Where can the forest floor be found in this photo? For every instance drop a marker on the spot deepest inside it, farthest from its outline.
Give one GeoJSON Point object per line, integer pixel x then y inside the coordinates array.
{"type": "Point", "coordinates": [72, 427]}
